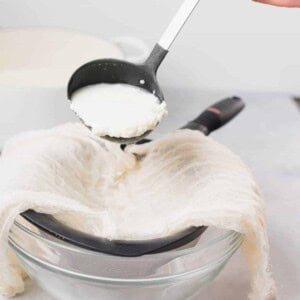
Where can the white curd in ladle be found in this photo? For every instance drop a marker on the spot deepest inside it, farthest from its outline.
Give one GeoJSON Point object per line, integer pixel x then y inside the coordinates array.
{"type": "Point", "coordinates": [118, 110]}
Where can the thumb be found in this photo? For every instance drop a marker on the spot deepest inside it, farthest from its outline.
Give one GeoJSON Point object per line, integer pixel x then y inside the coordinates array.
{"type": "Point", "coordinates": [283, 3]}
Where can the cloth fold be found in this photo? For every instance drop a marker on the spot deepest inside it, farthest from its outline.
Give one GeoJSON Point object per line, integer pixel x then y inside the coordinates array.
{"type": "Point", "coordinates": [147, 191]}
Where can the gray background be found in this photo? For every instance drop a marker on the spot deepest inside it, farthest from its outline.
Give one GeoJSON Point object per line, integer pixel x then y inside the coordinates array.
{"type": "Point", "coordinates": [228, 44]}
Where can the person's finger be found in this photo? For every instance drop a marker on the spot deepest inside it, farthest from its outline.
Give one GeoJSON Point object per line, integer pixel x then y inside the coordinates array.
{"type": "Point", "coordinates": [285, 3]}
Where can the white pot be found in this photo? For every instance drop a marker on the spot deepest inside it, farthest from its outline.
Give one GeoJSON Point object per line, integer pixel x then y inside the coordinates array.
{"type": "Point", "coordinates": [35, 65]}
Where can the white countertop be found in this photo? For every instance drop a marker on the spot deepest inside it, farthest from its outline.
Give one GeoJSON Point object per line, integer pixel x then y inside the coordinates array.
{"type": "Point", "coordinates": [267, 137]}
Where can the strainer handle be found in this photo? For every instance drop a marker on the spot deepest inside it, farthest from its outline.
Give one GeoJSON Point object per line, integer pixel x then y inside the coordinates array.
{"type": "Point", "coordinates": [217, 115]}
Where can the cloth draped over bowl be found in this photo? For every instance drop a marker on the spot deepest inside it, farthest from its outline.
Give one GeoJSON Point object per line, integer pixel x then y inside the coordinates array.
{"type": "Point", "coordinates": [147, 191]}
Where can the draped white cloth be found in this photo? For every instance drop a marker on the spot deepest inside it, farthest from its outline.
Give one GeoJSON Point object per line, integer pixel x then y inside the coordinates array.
{"type": "Point", "coordinates": [152, 190]}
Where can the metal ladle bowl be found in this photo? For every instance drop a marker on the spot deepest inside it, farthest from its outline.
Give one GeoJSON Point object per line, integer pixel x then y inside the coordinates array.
{"type": "Point", "coordinates": [115, 71]}
{"type": "Point", "coordinates": [118, 71]}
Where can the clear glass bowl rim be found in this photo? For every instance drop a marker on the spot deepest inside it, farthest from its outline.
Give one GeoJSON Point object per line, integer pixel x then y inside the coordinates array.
{"type": "Point", "coordinates": [234, 237]}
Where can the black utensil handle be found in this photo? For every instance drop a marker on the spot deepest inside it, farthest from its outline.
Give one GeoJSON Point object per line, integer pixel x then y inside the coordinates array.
{"type": "Point", "coordinates": [156, 57]}
{"type": "Point", "coordinates": [217, 115]}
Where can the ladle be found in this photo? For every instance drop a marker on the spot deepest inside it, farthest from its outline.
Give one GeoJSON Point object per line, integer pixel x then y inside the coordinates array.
{"type": "Point", "coordinates": [142, 76]}
{"type": "Point", "coordinates": [211, 119]}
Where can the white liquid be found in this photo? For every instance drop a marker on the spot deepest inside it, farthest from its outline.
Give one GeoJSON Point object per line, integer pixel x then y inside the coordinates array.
{"type": "Point", "coordinates": [118, 110]}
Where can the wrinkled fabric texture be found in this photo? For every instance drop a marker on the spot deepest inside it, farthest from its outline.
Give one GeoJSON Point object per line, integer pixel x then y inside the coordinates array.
{"type": "Point", "coordinates": [147, 191]}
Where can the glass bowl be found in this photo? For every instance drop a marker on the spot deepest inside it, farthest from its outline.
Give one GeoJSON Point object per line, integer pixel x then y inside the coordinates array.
{"type": "Point", "coordinates": [68, 272]}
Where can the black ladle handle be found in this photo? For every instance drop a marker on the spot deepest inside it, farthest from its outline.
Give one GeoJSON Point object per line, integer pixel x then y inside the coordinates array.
{"type": "Point", "coordinates": [156, 57]}
{"type": "Point", "coordinates": [162, 47]}
{"type": "Point", "coordinates": [216, 115]}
